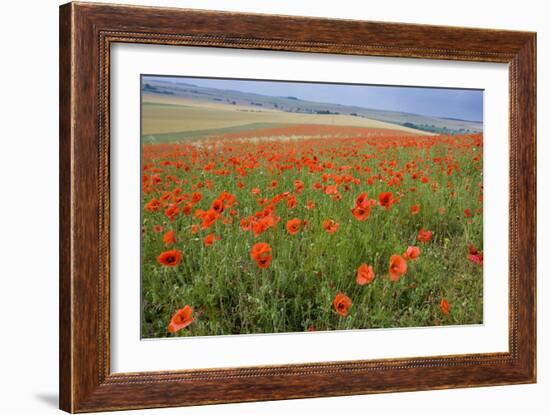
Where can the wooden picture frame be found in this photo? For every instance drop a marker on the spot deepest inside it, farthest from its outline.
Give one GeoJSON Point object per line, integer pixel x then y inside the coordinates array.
{"type": "Point", "coordinates": [86, 33]}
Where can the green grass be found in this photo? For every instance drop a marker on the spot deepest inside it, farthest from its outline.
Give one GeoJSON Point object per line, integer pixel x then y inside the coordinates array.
{"type": "Point", "coordinates": [231, 295]}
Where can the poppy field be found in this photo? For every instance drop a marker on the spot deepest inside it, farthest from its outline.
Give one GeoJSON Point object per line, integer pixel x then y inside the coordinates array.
{"type": "Point", "coordinates": [311, 228]}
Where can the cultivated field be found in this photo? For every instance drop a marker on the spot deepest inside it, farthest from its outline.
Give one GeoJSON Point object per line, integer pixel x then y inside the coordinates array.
{"type": "Point", "coordinates": [306, 227]}
{"type": "Point", "coordinates": [169, 118]}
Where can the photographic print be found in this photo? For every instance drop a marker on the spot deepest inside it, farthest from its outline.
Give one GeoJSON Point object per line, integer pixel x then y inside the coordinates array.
{"type": "Point", "coordinates": [283, 206]}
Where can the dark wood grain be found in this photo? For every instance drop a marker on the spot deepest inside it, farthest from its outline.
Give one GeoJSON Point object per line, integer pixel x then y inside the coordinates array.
{"type": "Point", "coordinates": [86, 33]}
{"type": "Point", "coordinates": [65, 247]}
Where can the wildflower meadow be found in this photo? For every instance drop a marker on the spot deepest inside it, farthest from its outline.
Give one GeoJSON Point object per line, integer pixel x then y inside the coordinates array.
{"type": "Point", "coordinates": [311, 228]}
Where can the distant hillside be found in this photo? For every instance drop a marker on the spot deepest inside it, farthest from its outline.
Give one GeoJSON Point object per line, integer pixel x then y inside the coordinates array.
{"type": "Point", "coordinates": [292, 104]}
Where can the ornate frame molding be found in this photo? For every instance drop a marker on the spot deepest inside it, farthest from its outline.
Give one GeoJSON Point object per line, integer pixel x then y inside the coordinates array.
{"type": "Point", "coordinates": [86, 33]}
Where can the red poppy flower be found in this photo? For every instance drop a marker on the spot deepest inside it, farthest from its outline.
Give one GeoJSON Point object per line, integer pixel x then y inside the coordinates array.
{"type": "Point", "coordinates": [398, 267]}
{"type": "Point", "coordinates": [310, 204]}
{"type": "Point", "coordinates": [361, 214]}
{"type": "Point", "coordinates": [330, 226]}
{"type": "Point", "coordinates": [412, 252]}
{"type": "Point", "coordinates": [228, 199]}
{"type": "Point", "coordinates": [196, 197]}
{"type": "Point", "coordinates": [158, 229]}
{"type": "Point", "coordinates": [341, 304]}
{"type": "Point", "coordinates": [170, 258]}
{"type": "Point", "coordinates": [181, 319]}
{"type": "Point", "coordinates": [153, 205]}
{"type": "Point", "coordinates": [210, 239]}
{"type": "Point", "coordinates": [415, 209]}
{"type": "Point", "coordinates": [258, 227]}
{"type": "Point", "coordinates": [475, 256]}
{"type": "Point", "coordinates": [169, 238]}
{"type": "Point", "coordinates": [208, 219]}
{"type": "Point", "coordinates": [331, 189]}
{"type": "Point", "coordinates": [217, 206]}
{"type": "Point", "coordinates": [293, 226]}
{"type": "Point", "coordinates": [298, 186]}
{"type": "Point", "coordinates": [424, 235]}
{"type": "Point", "coordinates": [245, 224]}
{"type": "Point", "coordinates": [264, 261]}
{"type": "Point", "coordinates": [444, 306]}
{"type": "Point", "coordinates": [467, 213]}
{"type": "Point", "coordinates": [291, 201]}
{"type": "Point", "coordinates": [385, 199]}
{"type": "Point", "coordinates": [259, 249]}
{"type": "Point", "coordinates": [172, 212]}
{"type": "Point", "coordinates": [261, 253]}
{"type": "Point", "coordinates": [187, 209]}
{"type": "Point", "coordinates": [365, 274]}
{"type": "Point", "coordinates": [362, 200]}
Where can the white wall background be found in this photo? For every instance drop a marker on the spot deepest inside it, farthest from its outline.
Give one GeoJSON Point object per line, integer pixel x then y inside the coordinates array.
{"type": "Point", "coordinates": [29, 205]}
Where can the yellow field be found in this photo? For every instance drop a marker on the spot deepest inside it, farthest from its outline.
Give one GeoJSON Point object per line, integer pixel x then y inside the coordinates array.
{"type": "Point", "coordinates": [163, 115]}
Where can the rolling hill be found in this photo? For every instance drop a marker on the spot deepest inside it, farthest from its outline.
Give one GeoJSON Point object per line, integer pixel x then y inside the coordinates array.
{"type": "Point", "coordinates": [177, 110]}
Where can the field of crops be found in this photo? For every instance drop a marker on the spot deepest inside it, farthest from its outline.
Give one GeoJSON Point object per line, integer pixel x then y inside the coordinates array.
{"type": "Point", "coordinates": [168, 118]}
{"type": "Point", "coordinates": [311, 227]}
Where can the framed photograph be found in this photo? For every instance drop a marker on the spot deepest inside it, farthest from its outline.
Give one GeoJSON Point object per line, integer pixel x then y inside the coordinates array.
{"type": "Point", "coordinates": [260, 207]}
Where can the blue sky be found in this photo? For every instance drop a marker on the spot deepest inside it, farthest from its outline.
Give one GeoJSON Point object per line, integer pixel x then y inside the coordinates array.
{"type": "Point", "coordinates": [465, 104]}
